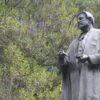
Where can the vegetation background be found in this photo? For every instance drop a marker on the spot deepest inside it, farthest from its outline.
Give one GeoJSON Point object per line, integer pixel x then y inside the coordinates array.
{"type": "Point", "coordinates": [32, 32]}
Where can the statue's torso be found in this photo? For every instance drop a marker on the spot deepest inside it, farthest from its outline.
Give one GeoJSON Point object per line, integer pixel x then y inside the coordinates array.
{"type": "Point", "coordinates": [83, 80]}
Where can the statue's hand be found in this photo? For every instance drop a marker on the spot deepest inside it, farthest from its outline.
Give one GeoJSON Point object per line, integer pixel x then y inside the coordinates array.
{"type": "Point", "coordinates": [62, 57]}
{"type": "Point", "coordinates": [62, 54]}
{"type": "Point", "coordinates": [83, 58]}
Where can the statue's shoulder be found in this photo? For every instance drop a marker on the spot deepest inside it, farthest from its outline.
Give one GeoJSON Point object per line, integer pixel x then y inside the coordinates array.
{"type": "Point", "coordinates": [74, 42]}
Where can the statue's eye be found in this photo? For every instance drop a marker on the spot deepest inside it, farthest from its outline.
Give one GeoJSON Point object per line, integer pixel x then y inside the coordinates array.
{"type": "Point", "coordinates": [80, 18]}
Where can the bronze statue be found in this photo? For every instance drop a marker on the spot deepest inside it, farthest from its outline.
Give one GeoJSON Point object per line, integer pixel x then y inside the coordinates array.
{"type": "Point", "coordinates": [80, 64]}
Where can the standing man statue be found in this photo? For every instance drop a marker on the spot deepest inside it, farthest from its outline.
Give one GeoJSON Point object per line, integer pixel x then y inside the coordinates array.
{"type": "Point", "coordinates": [80, 65]}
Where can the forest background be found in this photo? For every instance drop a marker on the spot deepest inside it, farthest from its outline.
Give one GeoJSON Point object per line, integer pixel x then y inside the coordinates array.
{"type": "Point", "coordinates": [32, 32]}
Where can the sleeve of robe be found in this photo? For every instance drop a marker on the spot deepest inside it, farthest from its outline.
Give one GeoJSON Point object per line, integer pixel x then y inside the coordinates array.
{"type": "Point", "coordinates": [65, 63]}
{"type": "Point", "coordinates": [95, 58]}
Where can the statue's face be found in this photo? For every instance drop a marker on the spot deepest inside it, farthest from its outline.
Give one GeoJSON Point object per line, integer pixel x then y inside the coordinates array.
{"type": "Point", "coordinates": [82, 21]}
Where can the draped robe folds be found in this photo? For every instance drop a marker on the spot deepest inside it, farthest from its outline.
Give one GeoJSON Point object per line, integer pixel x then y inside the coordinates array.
{"type": "Point", "coordinates": [81, 81]}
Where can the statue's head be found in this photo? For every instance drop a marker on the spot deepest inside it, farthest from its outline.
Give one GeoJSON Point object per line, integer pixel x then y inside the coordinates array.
{"type": "Point", "coordinates": [85, 19]}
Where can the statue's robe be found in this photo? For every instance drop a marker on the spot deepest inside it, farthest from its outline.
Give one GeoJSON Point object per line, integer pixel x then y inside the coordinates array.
{"type": "Point", "coordinates": [81, 81]}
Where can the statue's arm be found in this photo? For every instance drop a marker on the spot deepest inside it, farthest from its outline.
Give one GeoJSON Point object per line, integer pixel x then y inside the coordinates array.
{"type": "Point", "coordinates": [94, 59]}
{"type": "Point", "coordinates": [63, 64]}
{"type": "Point", "coordinates": [63, 59]}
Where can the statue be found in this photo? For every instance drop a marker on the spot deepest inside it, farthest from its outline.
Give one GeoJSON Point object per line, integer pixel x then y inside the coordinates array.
{"type": "Point", "coordinates": [80, 64]}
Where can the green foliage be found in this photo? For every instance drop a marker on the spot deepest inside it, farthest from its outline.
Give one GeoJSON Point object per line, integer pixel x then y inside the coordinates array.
{"type": "Point", "coordinates": [41, 85]}
{"type": "Point", "coordinates": [15, 59]}
{"type": "Point", "coordinates": [32, 82]}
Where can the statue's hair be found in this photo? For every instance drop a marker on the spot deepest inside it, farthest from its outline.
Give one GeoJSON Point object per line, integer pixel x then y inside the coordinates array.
{"type": "Point", "coordinates": [88, 15]}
